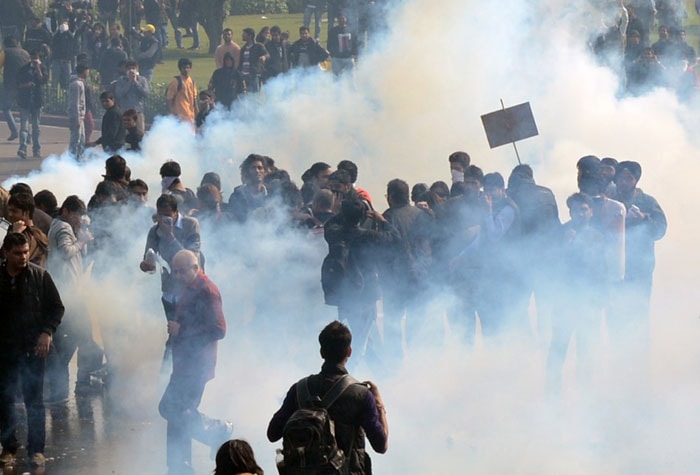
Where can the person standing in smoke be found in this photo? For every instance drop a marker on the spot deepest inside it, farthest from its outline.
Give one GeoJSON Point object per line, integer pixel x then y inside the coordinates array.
{"type": "Point", "coordinates": [645, 224]}
{"type": "Point", "coordinates": [342, 47]}
{"type": "Point", "coordinates": [402, 269]}
{"type": "Point", "coordinates": [252, 194]}
{"type": "Point", "coordinates": [499, 314]}
{"type": "Point", "coordinates": [539, 228]}
{"type": "Point", "coordinates": [172, 233]}
{"type": "Point", "coordinates": [459, 163]}
{"type": "Point", "coordinates": [68, 242]}
{"type": "Point", "coordinates": [358, 412]}
{"type": "Point", "coordinates": [198, 323]}
{"type": "Point", "coordinates": [580, 286]}
{"type": "Point", "coordinates": [31, 312]}
{"type": "Point", "coordinates": [361, 248]}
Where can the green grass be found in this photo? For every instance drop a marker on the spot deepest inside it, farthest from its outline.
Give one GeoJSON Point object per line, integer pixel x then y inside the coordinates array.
{"type": "Point", "coordinates": [203, 62]}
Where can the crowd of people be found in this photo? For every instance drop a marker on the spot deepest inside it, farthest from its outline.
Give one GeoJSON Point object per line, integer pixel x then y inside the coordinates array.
{"type": "Point", "coordinates": [482, 247]}
{"type": "Point", "coordinates": [626, 47]}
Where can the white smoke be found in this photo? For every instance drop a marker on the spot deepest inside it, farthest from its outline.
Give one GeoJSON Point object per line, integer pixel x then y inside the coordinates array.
{"type": "Point", "coordinates": [416, 98]}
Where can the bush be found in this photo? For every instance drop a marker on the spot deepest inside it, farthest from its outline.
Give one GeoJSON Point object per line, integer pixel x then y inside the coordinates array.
{"type": "Point", "coordinates": [257, 7]}
{"type": "Point", "coordinates": [295, 6]}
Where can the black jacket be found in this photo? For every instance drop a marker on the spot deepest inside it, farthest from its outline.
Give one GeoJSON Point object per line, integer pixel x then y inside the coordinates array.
{"type": "Point", "coordinates": [29, 86]}
{"type": "Point", "coordinates": [113, 133]}
{"type": "Point", "coordinates": [31, 306]}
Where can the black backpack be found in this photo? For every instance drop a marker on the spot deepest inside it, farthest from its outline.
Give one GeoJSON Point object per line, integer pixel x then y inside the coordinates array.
{"type": "Point", "coordinates": [309, 446]}
{"type": "Point", "coordinates": [339, 273]}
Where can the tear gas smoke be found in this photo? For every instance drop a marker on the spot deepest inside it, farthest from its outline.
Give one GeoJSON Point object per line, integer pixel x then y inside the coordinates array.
{"type": "Point", "coordinates": [416, 98]}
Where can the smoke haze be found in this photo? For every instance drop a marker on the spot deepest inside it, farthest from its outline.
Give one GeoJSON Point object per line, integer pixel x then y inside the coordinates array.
{"type": "Point", "coordinates": [416, 98]}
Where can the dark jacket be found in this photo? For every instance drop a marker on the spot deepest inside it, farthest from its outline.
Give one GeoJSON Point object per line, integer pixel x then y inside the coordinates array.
{"type": "Point", "coordinates": [15, 58]}
{"type": "Point", "coordinates": [365, 248]}
{"type": "Point", "coordinates": [342, 42]}
{"type": "Point", "coordinates": [113, 132]}
{"type": "Point", "coordinates": [355, 415]}
{"type": "Point", "coordinates": [278, 62]}
{"type": "Point", "coordinates": [30, 82]}
{"type": "Point", "coordinates": [225, 84]}
{"type": "Point", "coordinates": [314, 52]}
{"type": "Point", "coordinates": [35, 308]}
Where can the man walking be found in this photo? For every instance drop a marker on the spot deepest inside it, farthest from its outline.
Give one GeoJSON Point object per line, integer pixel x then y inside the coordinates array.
{"type": "Point", "coordinates": [30, 84]}
{"type": "Point", "coordinates": [31, 311]}
{"type": "Point", "coordinates": [13, 59]}
{"type": "Point", "coordinates": [197, 326]}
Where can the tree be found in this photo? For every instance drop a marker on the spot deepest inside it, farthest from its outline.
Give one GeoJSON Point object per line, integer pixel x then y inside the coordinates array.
{"type": "Point", "coordinates": [211, 17]}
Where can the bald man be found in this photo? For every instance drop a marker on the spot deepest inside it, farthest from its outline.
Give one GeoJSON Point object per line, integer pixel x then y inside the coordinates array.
{"type": "Point", "coordinates": [197, 325]}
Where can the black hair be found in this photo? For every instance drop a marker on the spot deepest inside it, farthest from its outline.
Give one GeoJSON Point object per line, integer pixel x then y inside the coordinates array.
{"type": "Point", "coordinates": [314, 170]}
{"type": "Point", "coordinates": [335, 340]}
{"type": "Point", "coordinates": [137, 182]}
{"type": "Point", "coordinates": [20, 188]}
{"type": "Point", "coordinates": [73, 204]}
{"type": "Point", "coordinates": [14, 240]}
{"type": "Point", "coordinates": [236, 456]}
{"type": "Point", "coordinates": [170, 168]}
{"type": "Point", "coordinates": [182, 62]}
{"type": "Point", "coordinates": [23, 202]}
{"type": "Point", "coordinates": [418, 190]}
{"type": "Point", "coordinates": [46, 200]}
{"type": "Point", "coordinates": [350, 167]}
{"type": "Point", "coordinates": [460, 157]}
{"type": "Point", "coordinates": [166, 202]}
{"type": "Point", "coordinates": [494, 179]}
{"type": "Point", "coordinates": [440, 188]}
{"type": "Point", "coordinates": [106, 95]}
{"type": "Point", "coordinates": [115, 167]}
{"type": "Point", "coordinates": [397, 190]}
{"type": "Point", "coordinates": [341, 176]}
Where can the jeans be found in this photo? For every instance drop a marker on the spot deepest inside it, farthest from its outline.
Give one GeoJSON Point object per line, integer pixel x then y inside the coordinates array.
{"type": "Point", "coordinates": [25, 116]}
{"type": "Point", "coordinates": [179, 407]}
{"type": "Point", "coordinates": [77, 137]}
{"type": "Point", "coordinates": [317, 12]}
{"type": "Point", "coordinates": [26, 369]}
{"type": "Point", "coordinates": [340, 65]}
{"type": "Point", "coordinates": [60, 73]}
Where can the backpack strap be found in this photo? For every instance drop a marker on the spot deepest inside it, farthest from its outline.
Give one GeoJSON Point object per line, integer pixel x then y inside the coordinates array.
{"type": "Point", "coordinates": [337, 390]}
{"type": "Point", "coordinates": [303, 394]}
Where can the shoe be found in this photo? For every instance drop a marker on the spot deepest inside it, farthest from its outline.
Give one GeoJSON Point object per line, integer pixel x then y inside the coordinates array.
{"type": "Point", "coordinates": [21, 154]}
{"type": "Point", "coordinates": [36, 155]}
{"type": "Point", "coordinates": [193, 48]}
{"type": "Point", "coordinates": [12, 137]}
{"type": "Point", "coordinates": [38, 460]}
{"type": "Point", "coordinates": [7, 457]}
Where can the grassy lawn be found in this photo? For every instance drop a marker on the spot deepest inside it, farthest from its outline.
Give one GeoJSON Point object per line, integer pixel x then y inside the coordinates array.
{"type": "Point", "coordinates": [203, 62]}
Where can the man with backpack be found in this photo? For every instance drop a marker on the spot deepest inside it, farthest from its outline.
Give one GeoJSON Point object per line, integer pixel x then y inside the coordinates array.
{"type": "Point", "coordinates": [336, 409]}
{"type": "Point", "coordinates": [182, 93]}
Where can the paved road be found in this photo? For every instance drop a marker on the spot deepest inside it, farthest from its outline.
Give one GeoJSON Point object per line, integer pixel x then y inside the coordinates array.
{"type": "Point", "coordinates": [54, 140]}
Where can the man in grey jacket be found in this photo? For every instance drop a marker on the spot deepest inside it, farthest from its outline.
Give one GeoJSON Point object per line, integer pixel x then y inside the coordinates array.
{"type": "Point", "coordinates": [75, 109]}
{"type": "Point", "coordinates": [131, 91]}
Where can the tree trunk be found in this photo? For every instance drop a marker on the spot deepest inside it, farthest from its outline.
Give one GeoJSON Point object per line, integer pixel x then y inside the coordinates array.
{"type": "Point", "coordinates": [211, 17]}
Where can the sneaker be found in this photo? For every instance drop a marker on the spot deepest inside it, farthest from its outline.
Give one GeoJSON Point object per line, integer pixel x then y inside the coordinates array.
{"type": "Point", "coordinates": [38, 460]}
{"type": "Point", "coordinates": [12, 137]}
{"type": "Point", "coordinates": [7, 457]}
{"type": "Point", "coordinates": [36, 155]}
{"type": "Point", "coordinates": [22, 154]}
